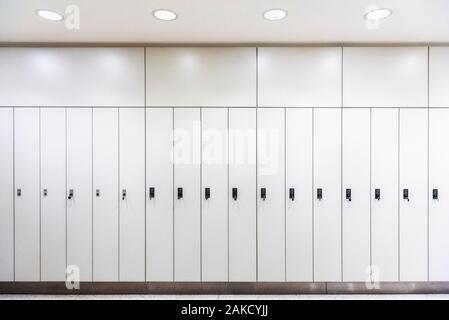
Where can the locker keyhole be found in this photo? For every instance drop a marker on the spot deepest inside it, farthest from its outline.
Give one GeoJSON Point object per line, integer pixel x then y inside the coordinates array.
{"type": "Point", "coordinates": [405, 195]}
{"type": "Point", "coordinates": [234, 194]}
{"type": "Point", "coordinates": [377, 194]}
{"type": "Point", "coordinates": [97, 192]}
{"type": "Point", "coordinates": [123, 194]}
{"type": "Point", "coordinates": [319, 193]}
{"type": "Point", "coordinates": [348, 195]}
{"type": "Point", "coordinates": [291, 194]}
{"type": "Point", "coordinates": [70, 194]}
{"type": "Point", "coordinates": [435, 194]}
{"type": "Point", "coordinates": [45, 192]}
{"type": "Point", "coordinates": [180, 193]}
{"type": "Point", "coordinates": [207, 193]}
{"type": "Point", "coordinates": [151, 192]}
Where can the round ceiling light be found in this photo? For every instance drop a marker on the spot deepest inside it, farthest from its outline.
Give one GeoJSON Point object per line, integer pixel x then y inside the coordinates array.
{"type": "Point", "coordinates": [164, 15]}
{"type": "Point", "coordinates": [378, 14]}
{"type": "Point", "coordinates": [275, 14]}
{"type": "Point", "coordinates": [49, 15]}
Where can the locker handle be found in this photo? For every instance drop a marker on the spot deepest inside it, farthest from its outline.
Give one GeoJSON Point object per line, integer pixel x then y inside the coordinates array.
{"type": "Point", "coordinates": [70, 194]}
{"type": "Point", "coordinates": [435, 194]}
{"type": "Point", "coordinates": [151, 192]}
{"type": "Point", "coordinates": [97, 192]}
{"type": "Point", "coordinates": [348, 195]}
{"type": "Point", "coordinates": [45, 192]}
{"type": "Point", "coordinates": [234, 194]}
{"type": "Point", "coordinates": [180, 195]}
{"type": "Point", "coordinates": [19, 192]}
{"type": "Point", "coordinates": [377, 194]}
{"type": "Point", "coordinates": [123, 194]}
{"type": "Point", "coordinates": [206, 193]}
{"type": "Point", "coordinates": [405, 195]}
{"type": "Point", "coordinates": [319, 193]}
{"type": "Point", "coordinates": [291, 194]}
{"type": "Point", "coordinates": [263, 193]}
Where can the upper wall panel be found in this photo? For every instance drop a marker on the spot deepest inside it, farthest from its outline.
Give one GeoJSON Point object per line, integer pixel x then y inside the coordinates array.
{"type": "Point", "coordinates": [72, 77]}
{"type": "Point", "coordinates": [385, 77]}
{"type": "Point", "coordinates": [299, 77]}
{"type": "Point", "coordinates": [201, 77]}
{"type": "Point", "coordinates": [439, 77]}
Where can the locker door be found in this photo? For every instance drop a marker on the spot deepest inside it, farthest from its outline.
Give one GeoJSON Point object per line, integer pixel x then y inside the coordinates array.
{"type": "Point", "coordinates": [242, 209]}
{"type": "Point", "coordinates": [327, 186]}
{"type": "Point", "coordinates": [271, 194]}
{"type": "Point", "coordinates": [53, 214]}
{"type": "Point", "coordinates": [79, 192]}
{"type": "Point", "coordinates": [105, 194]}
{"type": "Point", "coordinates": [6, 194]}
{"type": "Point", "coordinates": [384, 178]}
{"type": "Point", "coordinates": [356, 195]}
{"type": "Point", "coordinates": [413, 211]}
{"type": "Point", "coordinates": [27, 211]}
{"type": "Point", "coordinates": [438, 203]}
{"type": "Point", "coordinates": [299, 223]}
{"type": "Point", "coordinates": [187, 194]}
{"type": "Point", "coordinates": [132, 194]}
{"type": "Point", "coordinates": [214, 157]}
{"type": "Point", "coordinates": [160, 205]}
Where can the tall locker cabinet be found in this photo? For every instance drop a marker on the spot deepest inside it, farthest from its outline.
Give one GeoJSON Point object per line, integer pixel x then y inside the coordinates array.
{"type": "Point", "coordinates": [327, 191]}
{"type": "Point", "coordinates": [7, 194]}
{"type": "Point", "coordinates": [271, 194]}
{"type": "Point", "coordinates": [159, 190]}
{"type": "Point", "coordinates": [242, 194]}
{"type": "Point", "coordinates": [79, 193]}
{"type": "Point", "coordinates": [53, 204]}
{"type": "Point", "coordinates": [298, 195]}
{"type": "Point", "coordinates": [356, 224]}
{"type": "Point", "coordinates": [132, 194]}
{"type": "Point", "coordinates": [438, 195]}
{"type": "Point", "coordinates": [187, 220]}
{"type": "Point", "coordinates": [27, 199]}
{"type": "Point", "coordinates": [413, 194]}
{"type": "Point", "coordinates": [105, 194]}
{"type": "Point", "coordinates": [384, 194]}
{"type": "Point", "coordinates": [214, 214]}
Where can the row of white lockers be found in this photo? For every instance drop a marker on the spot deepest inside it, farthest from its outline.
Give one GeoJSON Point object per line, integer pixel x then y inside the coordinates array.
{"type": "Point", "coordinates": [224, 194]}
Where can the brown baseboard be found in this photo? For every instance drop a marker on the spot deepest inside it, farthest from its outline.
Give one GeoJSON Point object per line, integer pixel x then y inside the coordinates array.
{"type": "Point", "coordinates": [224, 288]}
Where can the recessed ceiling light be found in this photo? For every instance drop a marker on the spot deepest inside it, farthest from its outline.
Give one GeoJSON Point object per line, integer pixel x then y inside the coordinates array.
{"type": "Point", "coordinates": [49, 15]}
{"type": "Point", "coordinates": [164, 14]}
{"type": "Point", "coordinates": [275, 14]}
{"type": "Point", "coordinates": [378, 14]}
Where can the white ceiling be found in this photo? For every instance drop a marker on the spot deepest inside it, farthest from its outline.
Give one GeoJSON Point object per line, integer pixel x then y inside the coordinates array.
{"type": "Point", "coordinates": [227, 21]}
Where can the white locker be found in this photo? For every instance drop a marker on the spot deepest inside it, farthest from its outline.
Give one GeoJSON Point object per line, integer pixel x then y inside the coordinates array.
{"type": "Point", "coordinates": [242, 195]}
{"type": "Point", "coordinates": [214, 186]}
{"type": "Point", "coordinates": [132, 194]}
{"type": "Point", "coordinates": [271, 194]}
{"type": "Point", "coordinates": [187, 219]}
{"type": "Point", "coordinates": [298, 174]}
{"type": "Point", "coordinates": [159, 199]}
{"type": "Point", "coordinates": [105, 194]}
{"type": "Point", "coordinates": [53, 204]}
{"type": "Point", "coordinates": [356, 237]}
{"type": "Point", "coordinates": [79, 193]}
{"type": "Point", "coordinates": [438, 195]}
{"type": "Point", "coordinates": [327, 190]}
{"type": "Point", "coordinates": [384, 194]}
{"type": "Point", "coordinates": [7, 194]}
{"type": "Point", "coordinates": [27, 200]}
{"type": "Point", "coordinates": [413, 215]}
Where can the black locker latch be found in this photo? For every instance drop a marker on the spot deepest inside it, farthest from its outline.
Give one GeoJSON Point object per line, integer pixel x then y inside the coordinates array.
{"type": "Point", "coordinates": [377, 194]}
{"type": "Point", "coordinates": [206, 193]}
{"type": "Point", "coordinates": [348, 195]}
{"type": "Point", "coordinates": [180, 193]}
{"type": "Point", "coordinates": [263, 193]}
{"type": "Point", "coordinates": [151, 192]}
{"type": "Point", "coordinates": [234, 194]}
{"type": "Point", "coordinates": [319, 193]}
{"type": "Point", "coordinates": [291, 194]}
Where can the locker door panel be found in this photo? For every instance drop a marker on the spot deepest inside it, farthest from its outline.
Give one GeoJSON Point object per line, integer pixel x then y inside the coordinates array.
{"type": "Point", "coordinates": [384, 175]}
{"type": "Point", "coordinates": [356, 195]}
{"type": "Point", "coordinates": [27, 211]}
{"type": "Point", "coordinates": [187, 221]}
{"type": "Point", "coordinates": [214, 136]}
{"type": "Point", "coordinates": [7, 194]}
{"type": "Point", "coordinates": [53, 204]}
{"type": "Point", "coordinates": [327, 211]}
{"type": "Point", "coordinates": [79, 179]}
{"type": "Point", "coordinates": [413, 213]}
{"type": "Point", "coordinates": [439, 208]}
{"type": "Point", "coordinates": [271, 210]}
{"type": "Point", "coordinates": [132, 194]}
{"type": "Point", "coordinates": [160, 207]}
{"type": "Point", "coordinates": [299, 223]}
{"type": "Point", "coordinates": [242, 209]}
{"type": "Point", "coordinates": [105, 194]}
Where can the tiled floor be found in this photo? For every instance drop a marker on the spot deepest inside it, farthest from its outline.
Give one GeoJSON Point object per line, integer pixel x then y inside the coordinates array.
{"type": "Point", "coordinates": [225, 297]}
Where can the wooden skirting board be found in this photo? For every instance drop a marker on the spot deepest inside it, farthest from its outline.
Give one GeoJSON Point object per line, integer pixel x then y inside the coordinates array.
{"type": "Point", "coordinates": [224, 288]}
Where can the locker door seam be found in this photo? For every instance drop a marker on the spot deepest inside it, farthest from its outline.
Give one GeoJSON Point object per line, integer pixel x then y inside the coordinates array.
{"type": "Point", "coordinates": [200, 193]}
{"type": "Point", "coordinates": [118, 194]}
{"type": "Point", "coordinates": [370, 195]}
{"type": "Point", "coordinates": [399, 193]}
{"type": "Point", "coordinates": [145, 175]}
{"type": "Point", "coordinates": [13, 190]}
{"type": "Point", "coordinates": [313, 193]}
{"type": "Point", "coordinates": [284, 202]}
{"type": "Point", "coordinates": [40, 197]}
{"type": "Point", "coordinates": [428, 163]}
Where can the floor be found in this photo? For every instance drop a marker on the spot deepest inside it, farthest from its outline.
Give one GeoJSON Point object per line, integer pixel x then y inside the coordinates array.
{"type": "Point", "coordinates": [227, 297]}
